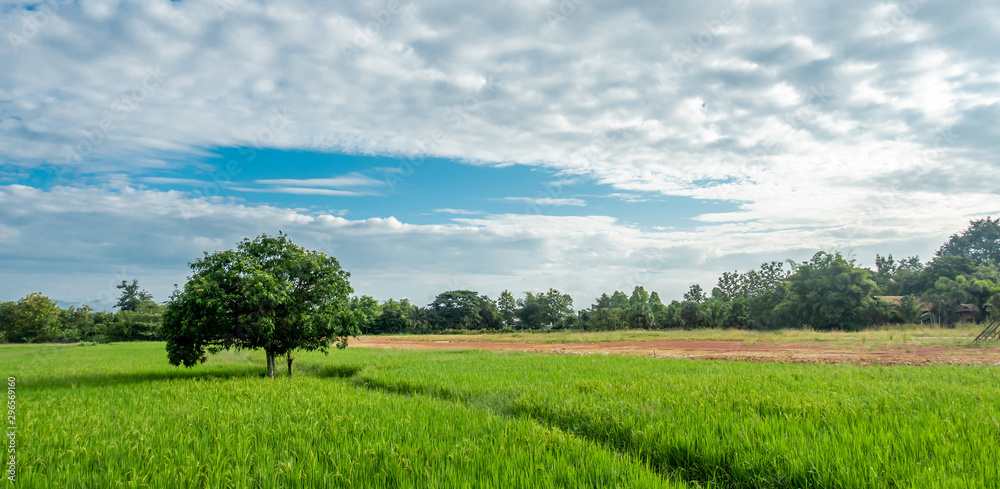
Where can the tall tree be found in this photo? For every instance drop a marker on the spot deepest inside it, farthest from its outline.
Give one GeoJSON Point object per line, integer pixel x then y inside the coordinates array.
{"type": "Point", "coordinates": [549, 309]}
{"type": "Point", "coordinates": [78, 321]}
{"type": "Point", "coordinates": [639, 296]}
{"type": "Point", "coordinates": [132, 297]}
{"type": "Point", "coordinates": [559, 308]}
{"type": "Point", "coordinates": [640, 313]}
{"type": "Point", "coordinates": [530, 311]}
{"type": "Point", "coordinates": [980, 242]}
{"type": "Point", "coordinates": [368, 309]}
{"type": "Point", "coordinates": [751, 284]}
{"type": "Point", "coordinates": [695, 294]}
{"type": "Point", "coordinates": [892, 276]}
{"type": "Point", "coordinates": [6, 320]}
{"type": "Point", "coordinates": [267, 294]}
{"type": "Point", "coordinates": [35, 318]}
{"type": "Point", "coordinates": [691, 314]}
{"type": "Point", "coordinates": [464, 309]}
{"type": "Point", "coordinates": [619, 300]}
{"type": "Point", "coordinates": [758, 292]}
{"type": "Point", "coordinates": [507, 307]}
{"type": "Point", "coordinates": [828, 292]}
{"type": "Point", "coordinates": [391, 319]}
{"type": "Point", "coordinates": [950, 266]}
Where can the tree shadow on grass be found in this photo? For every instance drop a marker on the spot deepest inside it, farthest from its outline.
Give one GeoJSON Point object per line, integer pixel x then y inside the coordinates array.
{"type": "Point", "coordinates": [334, 371]}
{"type": "Point", "coordinates": [680, 461]}
{"type": "Point", "coordinates": [101, 379]}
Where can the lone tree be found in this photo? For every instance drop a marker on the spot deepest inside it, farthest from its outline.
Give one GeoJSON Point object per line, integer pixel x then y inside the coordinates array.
{"type": "Point", "coordinates": [268, 293]}
{"type": "Point", "coordinates": [132, 297]}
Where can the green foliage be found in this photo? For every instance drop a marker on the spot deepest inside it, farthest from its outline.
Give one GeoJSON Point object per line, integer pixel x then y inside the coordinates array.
{"type": "Point", "coordinates": [34, 319]}
{"type": "Point", "coordinates": [464, 309]}
{"type": "Point", "coordinates": [640, 310]}
{"type": "Point", "coordinates": [602, 319]}
{"type": "Point", "coordinates": [367, 310]}
{"type": "Point", "coordinates": [394, 317]}
{"type": "Point", "coordinates": [79, 322]}
{"type": "Point", "coordinates": [993, 307]}
{"type": "Point", "coordinates": [942, 266]}
{"type": "Point", "coordinates": [908, 311]}
{"type": "Point", "coordinates": [619, 300]}
{"type": "Point", "coordinates": [715, 313]}
{"type": "Point", "coordinates": [267, 294]}
{"type": "Point", "coordinates": [550, 309]}
{"type": "Point", "coordinates": [6, 319]}
{"type": "Point", "coordinates": [752, 284]}
{"type": "Point", "coordinates": [135, 325]}
{"type": "Point", "coordinates": [691, 314]}
{"type": "Point", "coordinates": [828, 293]}
{"type": "Point", "coordinates": [507, 308]}
{"type": "Point", "coordinates": [893, 276]}
{"type": "Point", "coordinates": [132, 298]}
{"type": "Point", "coordinates": [754, 294]}
{"type": "Point", "coordinates": [948, 294]}
{"type": "Point", "coordinates": [980, 242]}
{"type": "Point", "coordinates": [695, 294]}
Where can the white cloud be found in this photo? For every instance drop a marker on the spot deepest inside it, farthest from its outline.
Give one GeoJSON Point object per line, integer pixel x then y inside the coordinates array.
{"type": "Point", "coordinates": [827, 124]}
{"type": "Point", "coordinates": [303, 191]}
{"type": "Point", "coordinates": [464, 212]}
{"type": "Point", "coordinates": [173, 181]}
{"type": "Point", "coordinates": [100, 233]}
{"type": "Point", "coordinates": [154, 233]}
{"type": "Point", "coordinates": [546, 201]}
{"type": "Point", "coordinates": [352, 180]}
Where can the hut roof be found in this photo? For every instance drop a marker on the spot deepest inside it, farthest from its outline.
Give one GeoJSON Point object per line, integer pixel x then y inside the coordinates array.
{"type": "Point", "coordinates": [967, 308]}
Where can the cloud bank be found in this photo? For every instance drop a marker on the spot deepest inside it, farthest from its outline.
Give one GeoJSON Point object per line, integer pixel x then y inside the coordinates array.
{"type": "Point", "coordinates": [828, 124]}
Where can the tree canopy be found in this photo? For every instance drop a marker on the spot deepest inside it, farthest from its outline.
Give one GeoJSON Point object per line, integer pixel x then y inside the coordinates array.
{"type": "Point", "coordinates": [267, 294]}
{"type": "Point", "coordinates": [980, 242]}
{"type": "Point", "coordinates": [132, 298]}
{"type": "Point", "coordinates": [465, 309]}
{"type": "Point", "coordinates": [34, 318]}
{"type": "Point", "coordinates": [828, 292]}
{"type": "Point", "coordinates": [551, 309]}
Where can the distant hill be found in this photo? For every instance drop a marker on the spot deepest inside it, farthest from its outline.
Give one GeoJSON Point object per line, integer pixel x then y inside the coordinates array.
{"type": "Point", "coordinates": [96, 304]}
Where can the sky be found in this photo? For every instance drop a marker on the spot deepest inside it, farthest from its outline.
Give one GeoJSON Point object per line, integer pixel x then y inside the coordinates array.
{"type": "Point", "coordinates": [583, 145]}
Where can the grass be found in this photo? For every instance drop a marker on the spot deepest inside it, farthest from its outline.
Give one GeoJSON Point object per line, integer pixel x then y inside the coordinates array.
{"type": "Point", "coordinates": [738, 424]}
{"type": "Point", "coordinates": [119, 416]}
{"type": "Point", "coordinates": [959, 336]}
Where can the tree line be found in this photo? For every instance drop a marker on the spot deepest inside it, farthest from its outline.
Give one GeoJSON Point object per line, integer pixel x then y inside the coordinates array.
{"type": "Point", "coordinates": [827, 292]}
{"type": "Point", "coordinates": [37, 319]}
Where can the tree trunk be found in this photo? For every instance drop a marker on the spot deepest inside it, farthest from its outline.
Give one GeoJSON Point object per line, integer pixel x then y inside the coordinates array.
{"type": "Point", "coordinates": [270, 364]}
{"type": "Point", "coordinates": [289, 355]}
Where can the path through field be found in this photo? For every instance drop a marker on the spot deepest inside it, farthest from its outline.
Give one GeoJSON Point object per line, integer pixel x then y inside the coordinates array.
{"type": "Point", "coordinates": [726, 350]}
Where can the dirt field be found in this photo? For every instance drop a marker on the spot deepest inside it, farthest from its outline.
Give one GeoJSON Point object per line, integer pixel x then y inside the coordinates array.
{"type": "Point", "coordinates": [727, 350]}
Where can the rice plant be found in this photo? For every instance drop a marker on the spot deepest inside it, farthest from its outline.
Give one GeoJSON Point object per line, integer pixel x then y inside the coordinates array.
{"type": "Point", "coordinates": [119, 416]}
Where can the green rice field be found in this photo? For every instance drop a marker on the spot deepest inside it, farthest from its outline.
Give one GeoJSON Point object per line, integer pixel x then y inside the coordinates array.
{"type": "Point", "coordinates": [120, 416]}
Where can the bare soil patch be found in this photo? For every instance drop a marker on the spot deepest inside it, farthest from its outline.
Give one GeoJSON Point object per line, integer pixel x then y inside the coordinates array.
{"type": "Point", "coordinates": [721, 350]}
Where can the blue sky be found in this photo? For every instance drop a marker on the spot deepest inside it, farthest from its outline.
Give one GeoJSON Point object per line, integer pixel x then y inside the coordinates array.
{"type": "Point", "coordinates": [420, 191]}
{"type": "Point", "coordinates": [587, 146]}
{"type": "Point", "coordinates": [417, 190]}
